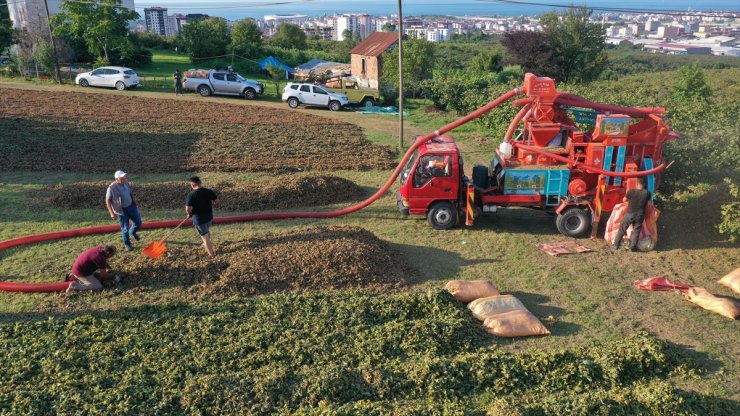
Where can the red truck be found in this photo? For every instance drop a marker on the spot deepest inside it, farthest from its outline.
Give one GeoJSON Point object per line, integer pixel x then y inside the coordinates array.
{"type": "Point", "coordinates": [552, 164]}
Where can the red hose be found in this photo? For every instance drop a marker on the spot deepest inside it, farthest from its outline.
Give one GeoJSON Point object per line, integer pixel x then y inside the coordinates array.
{"type": "Point", "coordinates": [523, 113]}
{"type": "Point", "coordinates": [578, 101]}
{"type": "Point", "coordinates": [57, 235]}
{"type": "Point", "coordinates": [34, 287]}
{"type": "Point", "coordinates": [590, 169]}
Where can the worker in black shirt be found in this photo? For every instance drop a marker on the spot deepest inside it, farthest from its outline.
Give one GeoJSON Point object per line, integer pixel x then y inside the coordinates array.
{"type": "Point", "coordinates": [637, 200]}
{"type": "Point", "coordinates": [199, 206]}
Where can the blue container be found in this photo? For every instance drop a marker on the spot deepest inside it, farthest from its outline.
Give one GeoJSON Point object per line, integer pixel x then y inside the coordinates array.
{"type": "Point", "coordinates": [551, 183]}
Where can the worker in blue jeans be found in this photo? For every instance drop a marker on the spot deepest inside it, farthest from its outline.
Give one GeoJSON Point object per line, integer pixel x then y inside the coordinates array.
{"type": "Point", "coordinates": [121, 206]}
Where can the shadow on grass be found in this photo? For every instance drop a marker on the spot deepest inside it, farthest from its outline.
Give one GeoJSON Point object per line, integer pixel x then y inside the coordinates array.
{"type": "Point", "coordinates": [535, 303]}
{"type": "Point", "coordinates": [519, 221]}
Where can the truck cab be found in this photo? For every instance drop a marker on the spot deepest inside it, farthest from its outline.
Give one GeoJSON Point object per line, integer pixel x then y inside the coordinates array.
{"type": "Point", "coordinates": [431, 183]}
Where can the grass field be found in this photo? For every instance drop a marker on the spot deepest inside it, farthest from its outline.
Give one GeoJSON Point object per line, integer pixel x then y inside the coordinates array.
{"type": "Point", "coordinates": [357, 352]}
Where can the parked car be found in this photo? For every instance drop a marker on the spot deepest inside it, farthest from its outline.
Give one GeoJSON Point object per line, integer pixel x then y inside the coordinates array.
{"type": "Point", "coordinates": [357, 95]}
{"type": "Point", "coordinates": [118, 77]}
{"type": "Point", "coordinates": [221, 82]}
{"type": "Point", "coordinates": [296, 94]}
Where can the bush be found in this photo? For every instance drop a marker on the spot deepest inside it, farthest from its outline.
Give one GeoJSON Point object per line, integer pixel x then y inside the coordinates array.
{"type": "Point", "coordinates": [730, 224]}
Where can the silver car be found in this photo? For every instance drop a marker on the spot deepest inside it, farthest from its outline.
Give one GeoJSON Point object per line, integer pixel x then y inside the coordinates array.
{"type": "Point", "coordinates": [296, 94]}
{"type": "Point", "coordinates": [117, 77]}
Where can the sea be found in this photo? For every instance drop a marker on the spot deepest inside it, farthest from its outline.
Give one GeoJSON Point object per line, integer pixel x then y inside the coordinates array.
{"type": "Point", "coordinates": [257, 9]}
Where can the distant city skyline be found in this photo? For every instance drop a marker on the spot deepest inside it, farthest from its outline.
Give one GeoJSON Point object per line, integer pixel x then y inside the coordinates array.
{"type": "Point", "coordinates": [238, 9]}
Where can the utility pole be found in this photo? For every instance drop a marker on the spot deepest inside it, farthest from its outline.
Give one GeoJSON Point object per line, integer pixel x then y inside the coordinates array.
{"type": "Point", "coordinates": [400, 75]}
{"type": "Point", "coordinates": [57, 74]}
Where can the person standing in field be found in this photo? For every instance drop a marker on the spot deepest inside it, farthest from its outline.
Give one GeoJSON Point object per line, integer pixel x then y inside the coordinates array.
{"type": "Point", "coordinates": [637, 200]}
{"type": "Point", "coordinates": [199, 206]}
{"type": "Point", "coordinates": [121, 206]}
{"type": "Point", "coordinates": [91, 266]}
{"type": "Point", "coordinates": [178, 82]}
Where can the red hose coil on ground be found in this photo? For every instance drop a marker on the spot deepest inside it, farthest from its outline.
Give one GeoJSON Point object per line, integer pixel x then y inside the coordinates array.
{"type": "Point", "coordinates": [104, 229]}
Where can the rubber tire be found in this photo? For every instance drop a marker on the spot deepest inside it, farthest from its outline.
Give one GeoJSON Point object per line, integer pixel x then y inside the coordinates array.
{"type": "Point", "coordinates": [293, 102]}
{"type": "Point", "coordinates": [204, 91]}
{"type": "Point", "coordinates": [250, 94]}
{"type": "Point", "coordinates": [368, 102]}
{"type": "Point", "coordinates": [84, 83]}
{"type": "Point", "coordinates": [573, 222]}
{"type": "Point", "coordinates": [442, 215]}
{"type": "Point", "coordinates": [335, 106]}
{"type": "Point", "coordinates": [120, 86]}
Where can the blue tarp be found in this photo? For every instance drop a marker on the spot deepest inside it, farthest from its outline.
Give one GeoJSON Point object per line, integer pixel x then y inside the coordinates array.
{"type": "Point", "coordinates": [271, 60]}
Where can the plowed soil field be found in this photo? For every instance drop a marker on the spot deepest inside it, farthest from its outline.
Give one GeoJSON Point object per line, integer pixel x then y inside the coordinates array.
{"type": "Point", "coordinates": [287, 191]}
{"type": "Point", "coordinates": [68, 131]}
{"type": "Point", "coordinates": [315, 259]}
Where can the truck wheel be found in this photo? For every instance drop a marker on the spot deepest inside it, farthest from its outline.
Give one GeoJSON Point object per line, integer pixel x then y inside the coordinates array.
{"type": "Point", "coordinates": [368, 102]}
{"type": "Point", "coordinates": [293, 102]}
{"type": "Point", "coordinates": [204, 91]}
{"type": "Point", "coordinates": [250, 94]}
{"type": "Point", "coordinates": [573, 222]}
{"type": "Point", "coordinates": [84, 83]}
{"type": "Point", "coordinates": [442, 215]}
{"type": "Point", "coordinates": [335, 106]}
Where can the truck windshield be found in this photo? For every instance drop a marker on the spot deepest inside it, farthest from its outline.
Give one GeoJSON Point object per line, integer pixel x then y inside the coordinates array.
{"type": "Point", "coordinates": [407, 169]}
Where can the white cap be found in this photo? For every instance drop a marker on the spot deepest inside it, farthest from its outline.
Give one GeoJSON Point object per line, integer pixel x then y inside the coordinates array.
{"type": "Point", "coordinates": [119, 174]}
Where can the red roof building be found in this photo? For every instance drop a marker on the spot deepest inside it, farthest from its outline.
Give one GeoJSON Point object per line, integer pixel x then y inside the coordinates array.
{"type": "Point", "coordinates": [366, 58]}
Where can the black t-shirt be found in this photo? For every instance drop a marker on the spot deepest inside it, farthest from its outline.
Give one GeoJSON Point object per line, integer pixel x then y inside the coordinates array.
{"type": "Point", "coordinates": [178, 77]}
{"type": "Point", "coordinates": [637, 200]}
{"type": "Point", "coordinates": [201, 200]}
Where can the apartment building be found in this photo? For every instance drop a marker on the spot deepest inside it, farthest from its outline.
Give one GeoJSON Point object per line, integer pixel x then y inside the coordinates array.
{"type": "Point", "coordinates": [156, 20]}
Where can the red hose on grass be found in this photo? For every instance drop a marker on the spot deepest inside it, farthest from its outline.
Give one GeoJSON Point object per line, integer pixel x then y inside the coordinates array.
{"type": "Point", "coordinates": [104, 229]}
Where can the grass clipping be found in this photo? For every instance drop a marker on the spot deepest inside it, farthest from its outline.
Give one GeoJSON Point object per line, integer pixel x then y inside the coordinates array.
{"type": "Point", "coordinates": [315, 259]}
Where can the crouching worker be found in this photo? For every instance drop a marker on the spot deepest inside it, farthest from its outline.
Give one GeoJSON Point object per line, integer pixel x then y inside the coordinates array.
{"type": "Point", "coordinates": [91, 266]}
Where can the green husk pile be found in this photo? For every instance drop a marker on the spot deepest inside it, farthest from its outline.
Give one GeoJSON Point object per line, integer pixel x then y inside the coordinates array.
{"type": "Point", "coordinates": [282, 192]}
{"type": "Point", "coordinates": [315, 259]}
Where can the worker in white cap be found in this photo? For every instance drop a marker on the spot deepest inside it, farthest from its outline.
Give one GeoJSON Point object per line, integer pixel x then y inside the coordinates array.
{"type": "Point", "coordinates": [122, 207]}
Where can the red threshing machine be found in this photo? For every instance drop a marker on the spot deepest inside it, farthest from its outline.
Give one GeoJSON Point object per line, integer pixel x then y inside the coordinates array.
{"type": "Point", "coordinates": [551, 164]}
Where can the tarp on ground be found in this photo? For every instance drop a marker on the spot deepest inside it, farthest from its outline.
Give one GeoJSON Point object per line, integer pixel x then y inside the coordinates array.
{"type": "Point", "coordinates": [392, 110]}
{"type": "Point", "coordinates": [271, 60]}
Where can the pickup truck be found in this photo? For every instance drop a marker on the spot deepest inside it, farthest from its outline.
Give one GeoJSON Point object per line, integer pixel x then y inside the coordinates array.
{"type": "Point", "coordinates": [221, 82]}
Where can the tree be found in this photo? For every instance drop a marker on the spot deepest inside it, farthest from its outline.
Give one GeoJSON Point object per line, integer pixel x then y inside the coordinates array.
{"type": "Point", "coordinates": [486, 61]}
{"type": "Point", "coordinates": [418, 64]}
{"type": "Point", "coordinates": [528, 50]}
{"type": "Point", "coordinates": [289, 36]}
{"type": "Point", "coordinates": [101, 24]}
{"type": "Point", "coordinates": [577, 45]}
{"type": "Point", "coordinates": [692, 84]}
{"type": "Point", "coordinates": [6, 28]}
{"type": "Point", "coordinates": [388, 27]}
{"type": "Point", "coordinates": [246, 38]}
{"type": "Point", "coordinates": [205, 38]}
{"type": "Point", "coordinates": [276, 75]}
{"type": "Point", "coordinates": [43, 53]}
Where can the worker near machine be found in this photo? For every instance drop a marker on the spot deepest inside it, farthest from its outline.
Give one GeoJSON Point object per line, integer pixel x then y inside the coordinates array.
{"type": "Point", "coordinates": [178, 82]}
{"type": "Point", "coordinates": [637, 200]}
{"type": "Point", "coordinates": [91, 266]}
{"type": "Point", "coordinates": [121, 206]}
{"type": "Point", "coordinates": [199, 206]}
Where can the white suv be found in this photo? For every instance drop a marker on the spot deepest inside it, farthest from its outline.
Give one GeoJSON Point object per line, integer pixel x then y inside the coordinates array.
{"type": "Point", "coordinates": [109, 76]}
{"type": "Point", "coordinates": [296, 94]}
